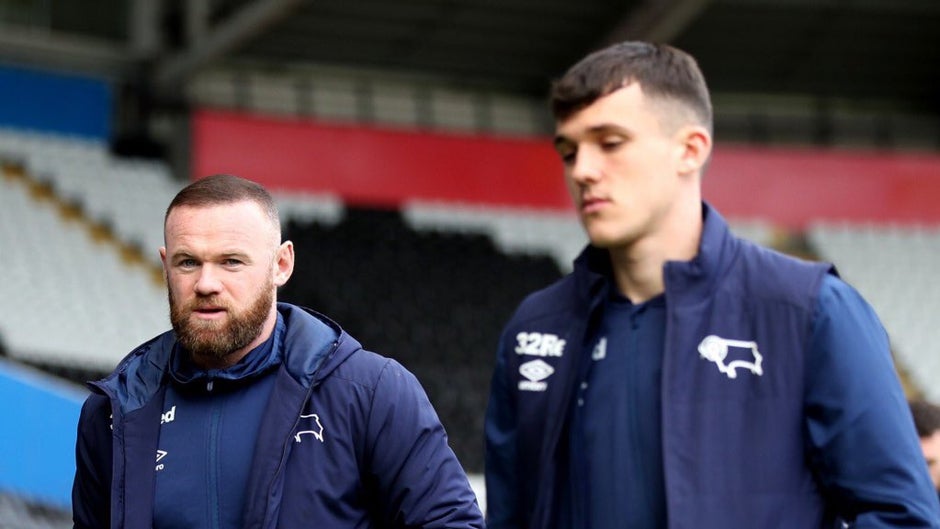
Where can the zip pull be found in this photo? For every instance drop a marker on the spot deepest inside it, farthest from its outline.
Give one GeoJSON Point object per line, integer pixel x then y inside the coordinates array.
{"type": "Point", "coordinates": [209, 384]}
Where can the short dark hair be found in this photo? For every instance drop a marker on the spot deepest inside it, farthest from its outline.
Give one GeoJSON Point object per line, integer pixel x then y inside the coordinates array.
{"type": "Point", "coordinates": [661, 70]}
{"type": "Point", "coordinates": [225, 189]}
{"type": "Point", "coordinates": [926, 417]}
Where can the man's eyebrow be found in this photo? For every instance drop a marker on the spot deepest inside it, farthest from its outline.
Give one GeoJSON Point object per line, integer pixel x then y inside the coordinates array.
{"type": "Point", "coordinates": [234, 253]}
{"type": "Point", "coordinates": [601, 128]}
{"type": "Point", "coordinates": [604, 128]}
{"type": "Point", "coordinates": [184, 253]}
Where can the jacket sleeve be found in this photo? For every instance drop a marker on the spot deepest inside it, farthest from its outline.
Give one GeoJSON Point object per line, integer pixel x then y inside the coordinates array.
{"type": "Point", "coordinates": [420, 483]}
{"type": "Point", "coordinates": [91, 489]}
{"type": "Point", "coordinates": [862, 443]}
{"type": "Point", "coordinates": [502, 505]}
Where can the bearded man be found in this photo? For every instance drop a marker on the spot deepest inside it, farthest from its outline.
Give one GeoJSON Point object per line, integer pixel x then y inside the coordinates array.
{"type": "Point", "coordinates": [253, 413]}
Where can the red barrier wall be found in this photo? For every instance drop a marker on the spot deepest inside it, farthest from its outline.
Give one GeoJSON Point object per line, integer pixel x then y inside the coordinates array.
{"type": "Point", "coordinates": [378, 166]}
{"type": "Point", "coordinates": [384, 167]}
{"type": "Point", "coordinates": [794, 186]}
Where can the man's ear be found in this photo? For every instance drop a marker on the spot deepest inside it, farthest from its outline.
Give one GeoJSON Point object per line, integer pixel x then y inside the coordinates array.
{"type": "Point", "coordinates": [695, 147]}
{"type": "Point", "coordinates": [283, 263]}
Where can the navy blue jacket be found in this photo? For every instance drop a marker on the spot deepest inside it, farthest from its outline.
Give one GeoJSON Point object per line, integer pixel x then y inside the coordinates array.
{"type": "Point", "coordinates": [755, 432]}
{"type": "Point", "coordinates": [380, 458]}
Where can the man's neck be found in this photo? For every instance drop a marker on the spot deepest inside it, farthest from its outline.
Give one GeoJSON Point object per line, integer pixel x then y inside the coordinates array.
{"type": "Point", "coordinates": [638, 267]}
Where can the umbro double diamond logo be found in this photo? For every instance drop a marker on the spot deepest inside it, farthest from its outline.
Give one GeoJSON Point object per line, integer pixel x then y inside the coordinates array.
{"type": "Point", "coordinates": [160, 455]}
{"type": "Point", "coordinates": [535, 371]}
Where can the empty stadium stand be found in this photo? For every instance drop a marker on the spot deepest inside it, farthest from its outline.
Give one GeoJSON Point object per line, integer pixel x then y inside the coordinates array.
{"type": "Point", "coordinates": [69, 298]}
{"type": "Point", "coordinates": [433, 295]}
{"type": "Point", "coordinates": [429, 284]}
{"type": "Point", "coordinates": [433, 300]}
{"type": "Point", "coordinates": [74, 258]}
{"type": "Point", "coordinates": [894, 267]}
{"type": "Point", "coordinates": [125, 195]}
{"type": "Point", "coordinates": [450, 139]}
{"type": "Point", "coordinates": [512, 230]}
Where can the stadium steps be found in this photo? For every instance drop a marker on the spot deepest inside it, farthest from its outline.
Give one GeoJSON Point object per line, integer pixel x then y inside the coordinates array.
{"type": "Point", "coordinates": [893, 266]}
{"type": "Point", "coordinates": [42, 191]}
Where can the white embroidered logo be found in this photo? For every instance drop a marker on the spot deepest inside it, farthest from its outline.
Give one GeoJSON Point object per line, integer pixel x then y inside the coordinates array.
{"type": "Point", "coordinates": [600, 350]}
{"type": "Point", "coordinates": [317, 430]}
{"type": "Point", "coordinates": [715, 349]}
{"type": "Point", "coordinates": [535, 371]}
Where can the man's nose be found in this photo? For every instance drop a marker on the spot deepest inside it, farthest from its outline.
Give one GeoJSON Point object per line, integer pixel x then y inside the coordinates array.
{"type": "Point", "coordinates": [586, 167]}
{"type": "Point", "coordinates": [208, 281]}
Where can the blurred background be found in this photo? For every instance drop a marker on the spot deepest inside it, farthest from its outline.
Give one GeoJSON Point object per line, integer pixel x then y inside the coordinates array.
{"type": "Point", "coordinates": [408, 144]}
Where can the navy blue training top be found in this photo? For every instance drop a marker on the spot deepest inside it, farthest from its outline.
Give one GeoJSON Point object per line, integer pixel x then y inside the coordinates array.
{"type": "Point", "coordinates": [616, 443]}
{"type": "Point", "coordinates": [207, 437]}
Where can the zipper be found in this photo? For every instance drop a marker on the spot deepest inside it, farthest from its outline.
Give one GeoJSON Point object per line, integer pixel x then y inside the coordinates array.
{"type": "Point", "coordinates": [285, 447]}
{"type": "Point", "coordinates": [213, 462]}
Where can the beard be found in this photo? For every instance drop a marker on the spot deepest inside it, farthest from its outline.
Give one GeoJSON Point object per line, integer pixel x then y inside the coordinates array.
{"type": "Point", "coordinates": [216, 340]}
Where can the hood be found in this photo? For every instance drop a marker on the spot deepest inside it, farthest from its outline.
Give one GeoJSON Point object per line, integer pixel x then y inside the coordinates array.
{"type": "Point", "coordinates": [314, 345]}
{"type": "Point", "coordinates": [139, 375]}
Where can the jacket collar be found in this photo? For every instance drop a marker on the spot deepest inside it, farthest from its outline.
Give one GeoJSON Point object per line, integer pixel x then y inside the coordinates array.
{"type": "Point", "coordinates": [696, 277]}
{"type": "Point", "coordinates": [314, 344]}
{"type": "Point", "coordinates": [258, 361]}
{"type": "Point", "coordinates": [318, 344]}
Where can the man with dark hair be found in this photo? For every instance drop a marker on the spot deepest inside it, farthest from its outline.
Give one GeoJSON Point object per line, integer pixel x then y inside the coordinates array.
{"type": "Point", "coordinates": [680, 376]}
{"type": "Point", "coordinates": [253, 413]}
{"type": "Point", "coordinates": [927, 421]}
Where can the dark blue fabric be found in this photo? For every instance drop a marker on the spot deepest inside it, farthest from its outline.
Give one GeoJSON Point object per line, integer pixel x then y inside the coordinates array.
{"type": "Point", "coordinates": [379, 458]}
{"type": "Point", "coordinates": [848, 339]}
{"type": "Point", "coordinates": [616, 441]}
{"type": "Point", "coordinates": [773, 413]}
{"type": "Point", "coordinates": [208, 431]}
